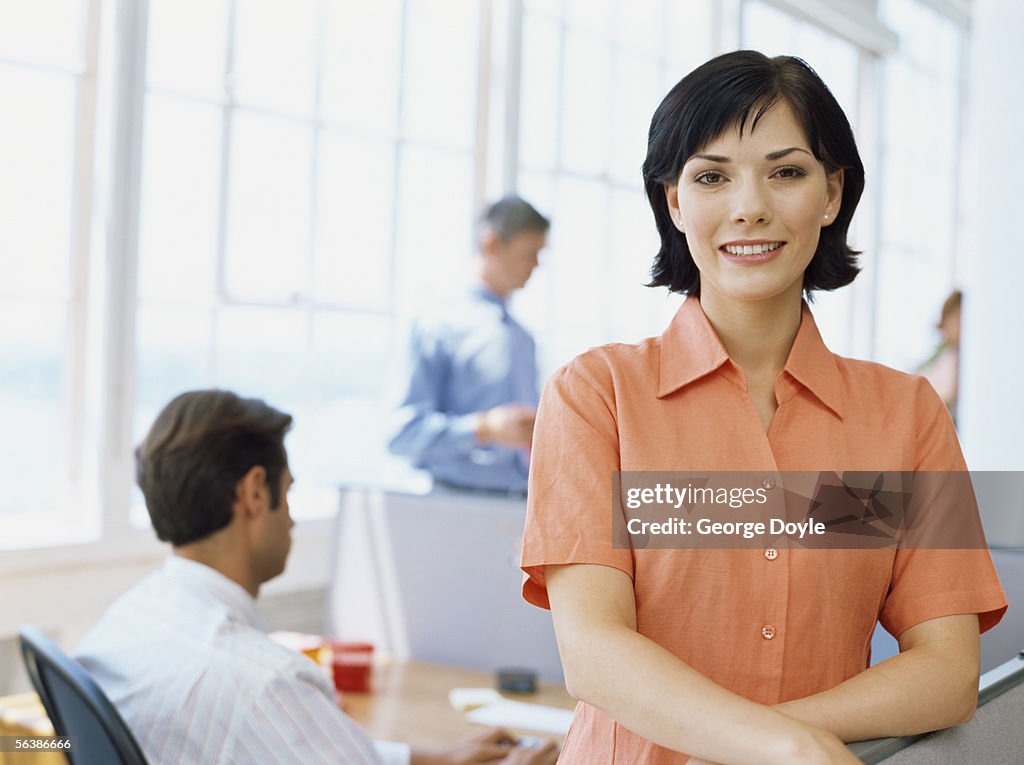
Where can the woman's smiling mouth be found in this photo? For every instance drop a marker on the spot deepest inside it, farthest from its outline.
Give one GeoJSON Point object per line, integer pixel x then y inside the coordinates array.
{"type": "Point", "coordinates": [751, 252]}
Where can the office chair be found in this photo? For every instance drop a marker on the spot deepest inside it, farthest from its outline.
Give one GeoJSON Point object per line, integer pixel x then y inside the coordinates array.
{"type": "Point", "coordinates": [76, 705]}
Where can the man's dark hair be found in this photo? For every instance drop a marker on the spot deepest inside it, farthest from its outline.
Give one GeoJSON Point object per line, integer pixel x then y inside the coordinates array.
{"type": "Point", "coordinates": [512, 215]}
{"type": "Point", "coordinates": [735, 90]}
{"type": "Point", "coordinates": [197, 450]}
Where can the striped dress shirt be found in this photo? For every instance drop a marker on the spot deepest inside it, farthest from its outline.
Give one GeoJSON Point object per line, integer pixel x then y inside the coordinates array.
{"type": "Point", "coordinates": [185, 659]}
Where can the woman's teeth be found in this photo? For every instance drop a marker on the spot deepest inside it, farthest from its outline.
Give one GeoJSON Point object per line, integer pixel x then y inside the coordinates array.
{"type": "Point", "coordinates": [751, 249]}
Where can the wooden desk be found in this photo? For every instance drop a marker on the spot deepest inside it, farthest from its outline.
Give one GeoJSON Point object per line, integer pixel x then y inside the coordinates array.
{"type": "Point", "coordinates": [409, 702]}
{"type": "Point", "coordinates": [23, 715]}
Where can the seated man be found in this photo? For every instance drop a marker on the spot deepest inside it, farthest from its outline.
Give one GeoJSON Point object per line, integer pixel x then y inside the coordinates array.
{"type": "Point", "coordinates": [469, 399]}
{"type": "Point", "coordinates": [184, 656]}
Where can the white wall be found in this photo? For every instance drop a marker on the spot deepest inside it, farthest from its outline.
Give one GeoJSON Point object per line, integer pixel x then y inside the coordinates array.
{"type": "Point", "coordinates": [991, 401]}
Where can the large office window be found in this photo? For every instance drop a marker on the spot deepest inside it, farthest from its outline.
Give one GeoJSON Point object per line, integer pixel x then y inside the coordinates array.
{"type": "Point", "coordinates": [47, 78]}
{"type": "Point", "coordinates": [920, 167]}
{"type": "Point", "coordinates": [308, 176]}
{"type": "Point", "coordinates": [591, 77]}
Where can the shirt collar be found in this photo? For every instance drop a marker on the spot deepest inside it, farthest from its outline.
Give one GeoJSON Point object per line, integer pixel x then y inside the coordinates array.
{"type": "Point", "coordinates": [480, 290]}
{"type": "Point", "coordinates": [814, 366]}
{"type": "Point", "coordinates": [690, 350]}
{"type": "Point", "coordinates": [239, 603]}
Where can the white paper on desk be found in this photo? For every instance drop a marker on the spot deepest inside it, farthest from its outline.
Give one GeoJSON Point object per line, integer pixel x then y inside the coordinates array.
{"type": "Point", "coordinates": [516, 714]}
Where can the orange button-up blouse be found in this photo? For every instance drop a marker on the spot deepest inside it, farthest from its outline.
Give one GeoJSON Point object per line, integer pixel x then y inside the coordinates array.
{"type": "Point", "coordinates": [771, 625]}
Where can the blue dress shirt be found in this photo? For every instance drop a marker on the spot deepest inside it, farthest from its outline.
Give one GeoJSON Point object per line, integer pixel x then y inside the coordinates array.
{"type": "Point", "coordinates": [466, 358]}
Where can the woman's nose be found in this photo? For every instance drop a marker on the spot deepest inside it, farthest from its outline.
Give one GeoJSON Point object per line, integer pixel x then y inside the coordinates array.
{"type": "Point", "coordinates": [751, 204]}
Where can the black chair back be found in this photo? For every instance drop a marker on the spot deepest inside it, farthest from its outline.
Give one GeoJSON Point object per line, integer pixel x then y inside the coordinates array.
{"type": "Point", "coordinates": [76, 705]}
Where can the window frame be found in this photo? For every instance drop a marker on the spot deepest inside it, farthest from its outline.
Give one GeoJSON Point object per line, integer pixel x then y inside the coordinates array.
{"type": "Point", "coordinates": [76, 290]}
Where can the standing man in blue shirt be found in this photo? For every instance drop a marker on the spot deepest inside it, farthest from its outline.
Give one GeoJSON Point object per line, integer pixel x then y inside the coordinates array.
{"type": "Point", "coordinates": [467, 410]}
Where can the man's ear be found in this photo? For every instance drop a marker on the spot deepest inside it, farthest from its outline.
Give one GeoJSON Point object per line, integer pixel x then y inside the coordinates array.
{"type": "Point", "coordinates": [672, 199]}
{"type": "Point", "coordinates": [489, 243]}
{"type": "Point", "coordinates": [251, 491]}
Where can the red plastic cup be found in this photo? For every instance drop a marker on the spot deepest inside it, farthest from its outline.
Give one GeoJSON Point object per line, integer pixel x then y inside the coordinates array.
{"type": "Point", "coordinates": [352, 666]}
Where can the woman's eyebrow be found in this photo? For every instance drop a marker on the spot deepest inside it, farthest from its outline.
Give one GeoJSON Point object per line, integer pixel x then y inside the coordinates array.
{"type": "Point", "coordinates": [783, 152]}
{"type": "Point", "coordinates": [771, 157]}
{"type": "Point", "coordinates": [711, 157]}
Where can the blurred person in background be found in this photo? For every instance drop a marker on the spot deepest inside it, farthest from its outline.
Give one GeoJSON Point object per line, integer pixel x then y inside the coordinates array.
{"type": "Point", "coordinates": [942, 369]}
{"type": "Point", "coordinates": [469, 393]}
{"type": "Point", "coordinates": [184, 655]}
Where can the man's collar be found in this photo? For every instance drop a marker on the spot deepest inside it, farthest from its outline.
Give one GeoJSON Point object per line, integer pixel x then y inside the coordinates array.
{"type": "Point", "coordinates": [482, 290]}
{"type": "Point", "coordinates": [227, 591]}
{"type": "Point", "coordinates": [690, 349]}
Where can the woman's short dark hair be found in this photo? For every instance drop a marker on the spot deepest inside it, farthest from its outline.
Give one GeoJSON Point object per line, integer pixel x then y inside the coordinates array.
{"type": "Point", "coordinates": [735, 90]}
{"type": "Point", "coordinates": [198, 449]}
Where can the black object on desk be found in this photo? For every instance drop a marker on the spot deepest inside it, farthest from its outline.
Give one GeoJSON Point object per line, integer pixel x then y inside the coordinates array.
{"type": "Point", "coordinates": [517, 680]}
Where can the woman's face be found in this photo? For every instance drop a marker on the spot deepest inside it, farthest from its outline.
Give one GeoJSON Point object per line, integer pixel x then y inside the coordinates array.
{"type": "Point", "coordinates": [752, 208]}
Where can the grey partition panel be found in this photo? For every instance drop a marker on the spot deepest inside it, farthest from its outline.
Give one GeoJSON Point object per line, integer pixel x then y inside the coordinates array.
{"type": "Point", "coordinates": [994, 737]}
{"type": "Point", "coordinates": [1007, 637]}
{"type": "Point", "coordinates": [436, 577]}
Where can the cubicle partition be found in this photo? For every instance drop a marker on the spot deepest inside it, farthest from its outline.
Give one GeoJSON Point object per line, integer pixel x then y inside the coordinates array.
{"type": "Point", "coordinates": [996, 734]}
{"type": "Point", "coordinates": [436, 577]}
{"type": "Point", "coordinates": [994, 737]}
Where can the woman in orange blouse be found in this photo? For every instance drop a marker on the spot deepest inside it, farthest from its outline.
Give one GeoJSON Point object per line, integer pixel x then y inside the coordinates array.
{"type": "Point", "coordinates": [746, 655]}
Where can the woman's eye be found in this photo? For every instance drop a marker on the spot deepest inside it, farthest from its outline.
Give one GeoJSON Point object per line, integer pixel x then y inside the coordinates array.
{"type": "Point", "coordinates": [790, 172]}
{"type": "Point", "coordinates": [710, 177]}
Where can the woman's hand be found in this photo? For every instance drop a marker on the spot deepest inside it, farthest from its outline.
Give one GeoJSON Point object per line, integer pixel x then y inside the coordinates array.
{"type": "Point", "coordinates": [823, 748]}
{"type": "Point", "coordinates": [819, 747]}
{"type": "Point", "coordinates": [542, 754]}
{"type": "Point", "coordinates": [489, 745]}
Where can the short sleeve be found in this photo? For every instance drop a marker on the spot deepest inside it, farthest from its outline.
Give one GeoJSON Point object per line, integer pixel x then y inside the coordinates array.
{"type": "Point", "coordinates": [930, 583]}
{"type": "Point", "coordinates": [575, 452]}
